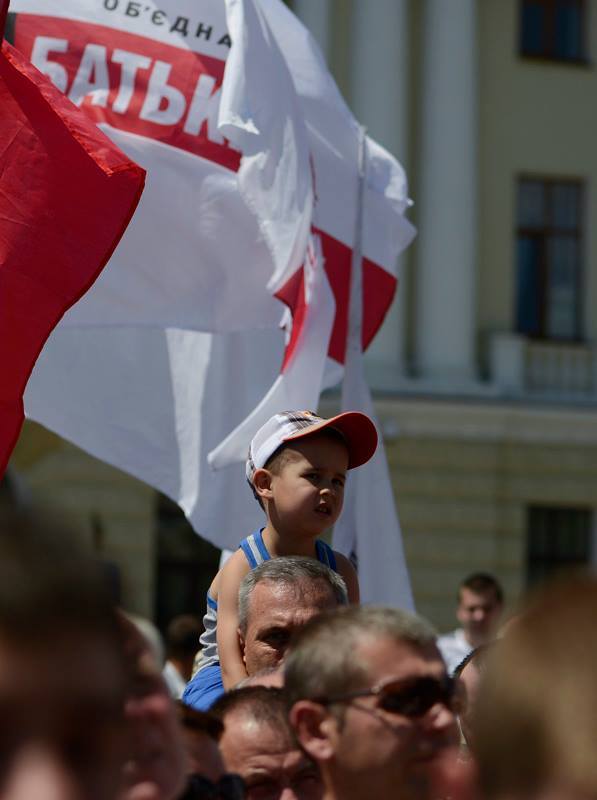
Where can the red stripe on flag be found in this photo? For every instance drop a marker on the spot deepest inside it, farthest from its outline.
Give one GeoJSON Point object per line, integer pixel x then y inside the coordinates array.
{"type": "Point", "coordinates": [67, 195]}
{"type": "Point", "coordinates": [292, 294]}
{"type": "Point", "coordinates": [166, 93]}
{"type": "Point", "coordinates": [379, 287]}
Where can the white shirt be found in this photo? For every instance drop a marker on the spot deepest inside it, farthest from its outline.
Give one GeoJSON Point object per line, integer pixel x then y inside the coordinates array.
{"type": "Point", "coordinates": [174, 680]}
{"type": "Point", "coordinates": [453, 647]}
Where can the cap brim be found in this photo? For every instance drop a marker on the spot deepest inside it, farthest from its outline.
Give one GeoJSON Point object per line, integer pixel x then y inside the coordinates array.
{"type": "Point", "coordinates": [357, 429]}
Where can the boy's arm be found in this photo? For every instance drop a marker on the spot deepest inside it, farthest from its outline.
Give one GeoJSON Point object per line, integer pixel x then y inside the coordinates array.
{"type": "Point", "coordinates": [231, 661]}
{"type": "Point", "coordinates": [348, 572]}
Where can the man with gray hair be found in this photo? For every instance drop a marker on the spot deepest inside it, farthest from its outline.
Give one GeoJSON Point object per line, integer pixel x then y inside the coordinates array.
{"type": "Point", "coordinates": [259, 745]}
{"type": "Point", "coordinates": [371, 703]}
{"type": "Point", "coordinates": [275, 599]}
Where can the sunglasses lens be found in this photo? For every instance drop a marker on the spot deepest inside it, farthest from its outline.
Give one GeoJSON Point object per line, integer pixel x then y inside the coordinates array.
{"type": "Point", "coordinates": [416, 699]}
{"type": "Point", "coordinates": [229, 787]}
{"type": "Point", "coordinates": [201, 788]}
{"type": "Point", "coordinates": [232, 787]}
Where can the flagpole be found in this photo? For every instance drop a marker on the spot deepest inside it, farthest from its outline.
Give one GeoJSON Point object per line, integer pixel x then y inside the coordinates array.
{"type": "Point", "coordinates": [345, 535]}
{"type": "Point", "coordinates": [354, 333]}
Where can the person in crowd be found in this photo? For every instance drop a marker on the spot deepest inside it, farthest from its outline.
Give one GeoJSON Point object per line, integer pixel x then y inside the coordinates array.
{"type": "Point", "coordinates": [182, 643]}
{"type": "Point", "coordinates": [296, 469]}
{"type": "Point", "coordinates": [259, 744]}
{"type": "Point", "coordinates": [152, 635]}
{"type": "Point", "coordinates": [535, 723]}
{"type": "Point", "coordinates": [201, 734]}
{"type": "Point", "coordinates": [470, 671]}
{"type": "Point", "coordinates": [275, 599]}
{"type": "Point", "coordinates": [207, 778]}
{"type": "Point", "coordinates": [63, 676]}
{"type": "Point", "coordinates": [371, 703]}
{"type": "Point", "coordinates": [155, 768]}
{"type": "Point", "coordinates": [480, 604]}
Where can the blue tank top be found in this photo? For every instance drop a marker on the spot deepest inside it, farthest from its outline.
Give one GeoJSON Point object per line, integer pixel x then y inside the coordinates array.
{"type": "Point", "coordinates": [256, 553]}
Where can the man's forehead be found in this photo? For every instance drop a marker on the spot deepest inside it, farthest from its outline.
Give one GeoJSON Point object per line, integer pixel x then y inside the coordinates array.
{"type": "Point", "coordinates": [253, 737]}
{"type": "Point", "coordinates": [385, 658]}
{"type": "Point", "coordinates": [472, 597]}
{"type": "Point", "coordinates": [284, 600]}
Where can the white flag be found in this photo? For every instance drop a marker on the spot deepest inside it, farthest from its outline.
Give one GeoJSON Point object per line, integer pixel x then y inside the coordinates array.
{"type": "Point", "coordinates": [135, 374]}
{"type": "Point", "coordinates": [369, 526]}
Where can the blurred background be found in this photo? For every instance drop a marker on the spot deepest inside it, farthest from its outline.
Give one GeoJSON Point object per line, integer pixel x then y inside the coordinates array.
{"type": "Point", "coordinates": [485, 371]}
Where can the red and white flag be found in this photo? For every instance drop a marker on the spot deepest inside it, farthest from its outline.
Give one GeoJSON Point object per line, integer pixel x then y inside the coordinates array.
{"type": "Point", "coordinates": [180, 338]}
{"type": "Point", "coordinates": [66, 196]}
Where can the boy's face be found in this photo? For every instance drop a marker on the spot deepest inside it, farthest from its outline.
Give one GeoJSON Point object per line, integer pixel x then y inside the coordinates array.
{"type": "Point", "coordinates": [308, 491]}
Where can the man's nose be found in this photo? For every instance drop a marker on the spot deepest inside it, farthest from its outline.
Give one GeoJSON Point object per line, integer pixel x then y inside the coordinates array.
{"type": "Point", "coordinates": [287, 793]}
{"type": "Point", "coordinates": [442, 719]}
{"type": "Point", "coordinates": [39, 773]}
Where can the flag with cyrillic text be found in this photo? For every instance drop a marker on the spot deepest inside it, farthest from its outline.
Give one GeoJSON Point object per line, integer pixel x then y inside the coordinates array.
{"type": "Point", "coordinates": [180, 338]}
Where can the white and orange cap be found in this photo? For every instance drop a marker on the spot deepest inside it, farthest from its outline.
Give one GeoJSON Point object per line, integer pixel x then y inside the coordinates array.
{"type": "Point", "coordinates": [358, 431]}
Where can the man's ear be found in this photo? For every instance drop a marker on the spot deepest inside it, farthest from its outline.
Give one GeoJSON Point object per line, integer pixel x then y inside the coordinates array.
{"type": "Point", "coordinates": [315, 728]}
{"type": "Point", "coordinates": [241, 641]}
{"type": "Point", "coordinates": [262, 483]}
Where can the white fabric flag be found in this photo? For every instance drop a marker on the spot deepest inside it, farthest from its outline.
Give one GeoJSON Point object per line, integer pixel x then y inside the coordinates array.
{"type": "Point", "coordinates": [369, 526]}
{"type": "Point", "coordinates": [135, 374]}
{"type": "Point", "coordinates": [299, 384]}
{"type": "Point", "coordinates": [368, 530]}
{"type": "Point", "coordinates": [274, 178]}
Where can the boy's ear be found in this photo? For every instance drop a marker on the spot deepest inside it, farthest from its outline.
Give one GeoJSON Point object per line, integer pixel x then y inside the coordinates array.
{"type": "Point", "coordinates": [262, 482]}
{"type": "Point", "coordinates": [315, 728]}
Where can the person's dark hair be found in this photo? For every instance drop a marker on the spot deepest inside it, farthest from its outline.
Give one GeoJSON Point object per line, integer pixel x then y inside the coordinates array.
{"type": "Point", "coordinates": [265, 704]}
{"type": "Point", "coordinates": [182, 636]}
{"type": "Point", "coordinates": [199, 721]}
{"type": "Point", "coordinates": [323, 658]}
{"type": "Point", "coordinates": [481, 583]}
{"type": "Point", "coordinates": [280, 456]}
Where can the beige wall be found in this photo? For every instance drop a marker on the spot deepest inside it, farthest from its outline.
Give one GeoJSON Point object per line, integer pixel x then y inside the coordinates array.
{"type": "Point", "coordinates": [112, 513]}
{"type": "Point", "coordinates": [464, 475]}
{"type": "Point", "coordinates": [538, 117]}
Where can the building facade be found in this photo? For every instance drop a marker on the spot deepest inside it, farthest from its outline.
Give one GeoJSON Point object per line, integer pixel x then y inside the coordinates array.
{"type": "Point", "coordinates": [485, 371]}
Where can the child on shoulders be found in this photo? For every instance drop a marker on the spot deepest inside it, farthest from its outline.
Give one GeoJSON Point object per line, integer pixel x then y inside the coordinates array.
{"type": "Point", "coordinates": [296, 469]}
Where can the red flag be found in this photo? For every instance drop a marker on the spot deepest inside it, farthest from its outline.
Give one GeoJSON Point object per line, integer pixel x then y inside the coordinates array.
{"type": "Point", "coordinates": [67, 195]}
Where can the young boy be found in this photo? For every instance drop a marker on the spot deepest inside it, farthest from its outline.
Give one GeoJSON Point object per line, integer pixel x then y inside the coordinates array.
{"type": "Point", "coordinates": [296, 469]}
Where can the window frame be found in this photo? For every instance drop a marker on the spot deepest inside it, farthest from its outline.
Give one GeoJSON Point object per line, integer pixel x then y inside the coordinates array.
{"type": "Point", "coordinates": [548, 53]}
{"type": "Point", "coordinates": [542, 235]}
{"type": "Point", "coordinates": [550, 564]}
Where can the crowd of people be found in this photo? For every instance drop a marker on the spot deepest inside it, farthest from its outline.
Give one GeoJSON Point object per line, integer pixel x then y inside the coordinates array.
{"type": "Point", "coordinates": [299, 692]}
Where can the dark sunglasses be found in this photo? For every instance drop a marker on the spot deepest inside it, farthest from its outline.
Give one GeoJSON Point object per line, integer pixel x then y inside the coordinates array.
{"type": "Point", "coordinates": [411, 697]}
{"type": "Point", "coordinates": [229, 787]}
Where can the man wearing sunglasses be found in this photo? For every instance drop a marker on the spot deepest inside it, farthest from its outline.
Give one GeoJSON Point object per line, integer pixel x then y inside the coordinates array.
{"type": "Point", "coordinates": [371, 703]}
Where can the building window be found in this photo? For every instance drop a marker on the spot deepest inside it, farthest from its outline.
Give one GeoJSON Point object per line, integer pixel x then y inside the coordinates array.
{"type": "Point", "coordinates": [557, 539]}
{"type": "Point", "coordinates": [553, 29]}
{"type": "Point", "coordinates": [549, 259]}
